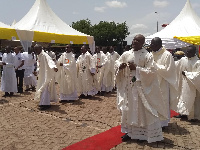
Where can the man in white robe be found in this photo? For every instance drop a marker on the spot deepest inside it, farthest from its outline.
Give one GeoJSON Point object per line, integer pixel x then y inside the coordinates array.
{"type": "Point", "coordinates": [29, 66]}
{"type": "Point", "coordinates": [139, 95]}
{"type": "Point", "coordinates": [100, 60]}
{"type": "Point", "coordinates": [166, 70]}
{"type": "Point", "coordinates": [85, 72]}
{"type": "Point", "coordinates": [45, 91]}
{"type": "Point", "coordinates": [67, 76]}
{"type": "Point", "coordinates": [109, 73]}
{"type": "Point", "coordinates": [8, 79]}
{"type": "Point", "coordinates": [189, 84]}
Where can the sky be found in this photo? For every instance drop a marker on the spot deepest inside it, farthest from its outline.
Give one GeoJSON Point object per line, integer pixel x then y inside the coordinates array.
{"type": "Point", "coordinates": [139, 15]}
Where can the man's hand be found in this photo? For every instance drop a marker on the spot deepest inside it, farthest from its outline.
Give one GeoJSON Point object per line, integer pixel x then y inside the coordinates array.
{"type": "Point", "coordinates": [55, 69]}
{"type": "Point", "coordinates": [183, 73]}
{"type": "Point", "coordinates": [35, 73]}
{"type": "Point", "coordinates": [61, 64]}
{"type": "Point", "coordinates": [132, 66]}
{"type": "Point", "coordinates": [3, 63]}
{"type": "Point", "coordinates": [92, 74]}
{"type": "Point", "coordinates": [122, 66]}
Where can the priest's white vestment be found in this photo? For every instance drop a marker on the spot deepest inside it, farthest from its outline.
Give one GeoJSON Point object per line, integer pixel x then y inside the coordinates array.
{"type": "Point", "coordinates": [100, 59]}
{"type": "Point", "coordinates": [8, 79]}
{"type": "Point", "coordinates": [139, 97]}
{"type": "Point", "coordinates": [67, 77]}
{"type": "Point", "coordinates": [29, 66]}
{"type": "Point", "coordinates": [189, 87]}
{"type": "Point", "coordinates": [109, 73]}
{"type": "Point", "coordinates": [166, 70]}
{"type": "Point", "coordinates": [86, 66]}
{"type": "Point", "coordinates": [45, 91]}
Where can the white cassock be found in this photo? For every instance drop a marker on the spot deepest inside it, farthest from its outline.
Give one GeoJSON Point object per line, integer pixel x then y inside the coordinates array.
{"type": "Point", "coordinates": [189, 87]}
{"type": "Point", "coordinates": [100, 59]}
{"type": "Point", "coordinates": [8, 79]}
{"type": "Point", "coordinates": [166, 70]}
{"type": "Point", "coordinates": [140, 102]}
{"type": "Point", "coordinates": [109, 73]}
{"type": "Point", "coordinates": [45, 91]}
{"type": "Point", "coordinates": [29, 66]}
{"type": "Point", "coordinates": [86, 66]}
{"type": "Point", "coordinates": [67, 77]}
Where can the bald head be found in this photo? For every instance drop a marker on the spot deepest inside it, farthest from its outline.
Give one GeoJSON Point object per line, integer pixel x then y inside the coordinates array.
{"type": "Point", "coordinates": [191, 51]}
{"type": "Point", "coordinates": [156, 44]}
{"type": "Point", "coordinates": [38, 49]}
{"type": "Point", "coordinates": [138, 42]}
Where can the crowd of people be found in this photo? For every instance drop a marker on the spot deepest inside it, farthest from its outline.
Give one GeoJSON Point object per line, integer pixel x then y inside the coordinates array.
{"type": "Point", "coordinates": [149, 83]}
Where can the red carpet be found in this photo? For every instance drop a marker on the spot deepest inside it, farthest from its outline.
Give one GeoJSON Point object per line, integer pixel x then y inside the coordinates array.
{"type": "Point", "coordinates": [103, 141]}
{"type": "Point", "coordinates": [173, 113]}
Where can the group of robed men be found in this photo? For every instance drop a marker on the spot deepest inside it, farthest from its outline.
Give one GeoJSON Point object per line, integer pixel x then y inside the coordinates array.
{"type": "Point", "coordinates": [17, 71]}
{"type": "Point", "coordinates": [85, 76]}
{"type": "Point", "coordinates": [150, 84]}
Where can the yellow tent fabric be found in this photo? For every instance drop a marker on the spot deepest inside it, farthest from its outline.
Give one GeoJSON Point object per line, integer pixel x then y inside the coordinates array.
{"type": "Point", "coordinates": [10, 34]}
{"type": "Point", "coordinates": [190, 39]}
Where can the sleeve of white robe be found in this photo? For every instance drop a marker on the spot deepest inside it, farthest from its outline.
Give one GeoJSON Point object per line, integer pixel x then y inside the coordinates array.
{"type": "Point", "coordinates": [168, 71]}
{"type": "Point", "coordinates": [50, 62]}
{"type": "Point", "coordinates": [152, 98]}
{"type": "Point", "coordinates": [194, 77]}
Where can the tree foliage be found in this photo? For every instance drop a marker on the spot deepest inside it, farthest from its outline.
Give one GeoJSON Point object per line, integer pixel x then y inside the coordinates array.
{"type": "Point", "coordinates": [105, 33]}
{"type": "Point", "coordinates": [83, 26]}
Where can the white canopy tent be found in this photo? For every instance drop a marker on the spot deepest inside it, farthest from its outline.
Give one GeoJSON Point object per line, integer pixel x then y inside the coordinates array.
{"type": "Point", "coordinates": [3, 25]}
{"type": "Point", "coordinates": [187, 23]}
{"type": "Point", "coordinates": [45, 26]}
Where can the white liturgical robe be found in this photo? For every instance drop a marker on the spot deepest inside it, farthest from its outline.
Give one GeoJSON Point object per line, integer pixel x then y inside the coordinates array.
{"type": "Point", "coordinates": [85, 66]}
{"type": "Point", "coordinates": [29, 66]}
{"type": "Point", "coordinates": [189, 87]}
{"type": "Point", "coordinates": [8, 79]}
{"type": "Point", "coordinates": [166, 70]}
{"type": "Point", "coordinates": [67, 77]}
{"type": "Point", "coordinates": [109, 73]}
{"type": "Point", "coordinates": [100, 59]}
{"type": "Point", "coordinates": [45, 91]}
{"type": "Point", "coordinates": [139, 97]}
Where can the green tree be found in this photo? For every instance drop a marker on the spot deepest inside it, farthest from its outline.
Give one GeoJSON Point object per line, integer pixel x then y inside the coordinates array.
{"type": "Point", "coordinates": [105, 33]}
{"type": "Point", "coordinates": [83, 26]}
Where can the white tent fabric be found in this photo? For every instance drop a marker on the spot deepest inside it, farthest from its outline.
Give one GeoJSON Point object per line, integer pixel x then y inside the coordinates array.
{"type": "Point", "coordinates": [26, 38]}
{"type": "Point", "coordinates": [187, 23]}
{"type": "Point", "coordinates": [3, 25]}
{"type": "Point", "coordinates": [41, 18]}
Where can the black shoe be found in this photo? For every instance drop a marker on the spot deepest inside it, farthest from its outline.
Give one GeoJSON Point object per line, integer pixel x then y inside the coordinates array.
{"type": "Point", "coordinates": [33, 89]}
{"type": "Point", "coordinates": [123, 135]}
{"type": "Point", "coordinates": [82, 96]}
{"type": "Point", "coordinates": [193, 120]}
{"type": "Point", "coordinates": [6, 94]}
{"type": "Point", "coordinates": [44, 107]}
{"type": "Point", "coordinates": [126, 138]}
{"type": "Point", "coordinates": [102, 93]}
{"type": "Point", "coordinates": [11, 94]}
{"type": "Point", "coordinates": [179, 116]}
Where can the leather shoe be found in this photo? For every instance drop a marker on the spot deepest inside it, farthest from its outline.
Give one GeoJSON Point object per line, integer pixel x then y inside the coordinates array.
{"type": "Point", "coordinates": [126, 138]}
